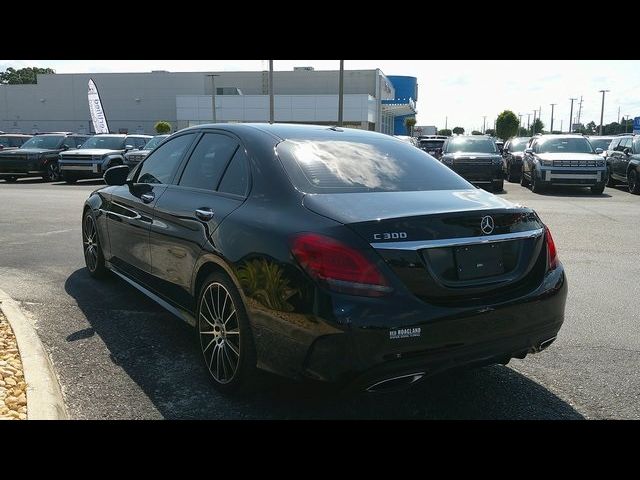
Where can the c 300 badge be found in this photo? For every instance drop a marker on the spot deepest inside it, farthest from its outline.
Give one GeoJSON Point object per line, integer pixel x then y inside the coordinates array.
{"type": "Point", "coordinates": [404, 333]}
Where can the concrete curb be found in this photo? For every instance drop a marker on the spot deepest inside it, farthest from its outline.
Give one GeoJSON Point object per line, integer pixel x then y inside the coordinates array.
{"type": "Point", "coordinates": [44, 397]}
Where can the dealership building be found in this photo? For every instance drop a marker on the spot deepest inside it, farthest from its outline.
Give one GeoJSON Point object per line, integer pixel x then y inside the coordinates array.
{"type": "Point", "coordinates": [134, 102]}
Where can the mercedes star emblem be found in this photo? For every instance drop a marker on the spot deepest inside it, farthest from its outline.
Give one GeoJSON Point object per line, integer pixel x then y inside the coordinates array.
{"type": "Point", "coordinates": [486, 225]}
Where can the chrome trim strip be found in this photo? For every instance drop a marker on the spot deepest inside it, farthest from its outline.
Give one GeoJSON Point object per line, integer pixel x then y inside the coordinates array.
{"type": "Point", "coordinates": [455, 242]}
{"type": "Point", "coordinates": [76, 167]}
{"type": "Point", "coordinates": [181, 314]}
{"type": "Point", "coordinates": [572, 176]}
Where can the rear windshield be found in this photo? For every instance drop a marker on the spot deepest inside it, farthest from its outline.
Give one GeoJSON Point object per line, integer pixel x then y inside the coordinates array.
{"type": "Point", "coordinates": [564, 145]}
{"type": "Point", "coordinates": [364, 165]}
{"type": "Point", "coordinates": [471, 145]}
{"type": "Point", "coordinates": [105, 143]}
{"type": "Point", "coordinates": [602, 143]}
{"type": "Point", "coordinates": [431, 144]}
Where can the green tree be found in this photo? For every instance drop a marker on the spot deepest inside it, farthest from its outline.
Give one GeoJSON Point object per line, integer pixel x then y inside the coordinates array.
{"type": "Point", "coordinates": [458, 131]}
{"type": "Point", "coordinates": [537, 126]}
{"type": "Point", "coordinates": [445, 132]}
{"type": "Point", "coordinates": [507, 125]}
{"type": "Point", "coordinates": [476, 132]}
{"type": "Point", "coordinates": [490, 131]}
{"type": "Point", "coordinates": [409, 123]}
{"type": "Point", "coordinates": [591, 128]}
{"type": "Point", "coordinates": [11, 76]}
{"type": "Point", "coordinates": [523, 132]}
{"type": "Point", "coordinates": [162, 127]}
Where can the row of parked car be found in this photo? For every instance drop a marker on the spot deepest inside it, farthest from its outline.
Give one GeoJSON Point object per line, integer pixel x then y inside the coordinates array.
{"type": "Point", "coordinates": [542, 160]}
{"type": "Point", "coordinates": [68, 156]}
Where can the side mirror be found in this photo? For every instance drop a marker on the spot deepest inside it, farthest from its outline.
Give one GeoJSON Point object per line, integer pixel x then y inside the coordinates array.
{"type": "Point", "coordinates": [626, 151]}
{"type": "Point", "coordinates": [599, 150]}
{"type": "Point", "coordinates": [128, 147]}
{"type": "Point", "coordinates": [79, 145]}
{"type": "Point", "coordinates": [528, 150]}
{"type": "Point", "coordinates": [116, 175]}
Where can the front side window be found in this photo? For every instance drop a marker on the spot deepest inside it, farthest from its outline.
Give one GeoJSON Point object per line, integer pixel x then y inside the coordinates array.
{"type": "Point", "coordinates": [104, 143]}
{"type": "Point", "coordinates": [208, 161]}
{"type": "Point", "coordinates": [161, 165]}
{"type": "Point", "coordinates": [49, 142]}
{"type": "Point", "coordinates": [471, 145]}
{"type": "Point", "coordinates": [137, 142]}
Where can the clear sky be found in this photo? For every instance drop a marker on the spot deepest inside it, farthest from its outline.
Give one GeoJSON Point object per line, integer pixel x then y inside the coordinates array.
{"type": "Point", "coordinates": [462, 90]}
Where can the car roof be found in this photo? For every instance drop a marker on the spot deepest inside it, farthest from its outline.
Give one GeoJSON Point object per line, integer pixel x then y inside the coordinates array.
{"type": "Point", "coordinates": [20, 135]}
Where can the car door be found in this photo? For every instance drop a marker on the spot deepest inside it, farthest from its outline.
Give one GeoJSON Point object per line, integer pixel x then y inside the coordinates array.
{"type": "Point", "coordinates": [527, 159]}
{"type": "Point", "coordinates": [622, 159]}
{"type": "Point", "coordinates": [191, 210]}
{"type": "Point", "coordinates": [130, 209]}
{"type": "Point", "coordinates": [611, 157]}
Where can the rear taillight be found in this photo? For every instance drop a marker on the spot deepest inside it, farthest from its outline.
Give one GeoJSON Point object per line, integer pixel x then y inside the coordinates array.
{"type": "Point", "coordinates": [552, 253]}
{"type": "Point", "coordinates": [339, 267]}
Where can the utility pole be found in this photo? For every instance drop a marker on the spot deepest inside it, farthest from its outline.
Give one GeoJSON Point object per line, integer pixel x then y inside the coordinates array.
{"type": "Point", "coordinates": [341, 94]}
{"type": "Point", "coordinates": [484, 122]}
{"type": "Point", "coordinates": [602, 109]}
{"type": "Point", "coordinates": [213, 95]}
{"type": "Point", "coordinates": [552, 107]}
{"type": "Point", "coordinates": [580, 110]}
{"type": "Point", "coordinates": [540, 114]}
{"type": "Point", "coordinates": [528, 121]}
{"type": "Point", "coordinates": [561, 130]}
{"type": "Point", "coordinates": [271, 102]}
{"type": "Point", "coordinates": [618, 115]}
{"type": "Point", "coordinates": [519, 122]}
{"type": "Point", "coordinates": [446, 120]}
{"type": "Point", "coordinates": [571, 116]}
{"type": "Point", "coordinates": [533, 125]}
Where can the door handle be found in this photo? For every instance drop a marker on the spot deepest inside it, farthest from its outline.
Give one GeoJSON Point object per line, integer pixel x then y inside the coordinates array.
{"type": "Point", "coordinates": [204, 214]}
{"type": "Point", "coordinates": [147, 197]}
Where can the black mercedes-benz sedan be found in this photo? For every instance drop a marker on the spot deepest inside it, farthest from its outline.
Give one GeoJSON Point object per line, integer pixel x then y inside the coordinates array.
{"type": "Point", "coordinates": [477, 158]}
{"type": "Point", "coordinates": [332, 254]}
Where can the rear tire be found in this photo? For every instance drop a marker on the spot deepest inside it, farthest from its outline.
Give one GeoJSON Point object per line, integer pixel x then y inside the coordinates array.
{"type": "Point", "coordinates": [225, 336]}
{"type": "Point", "coordinates": [511, 176]}
{"type": "Point", "coordinates": [633, 181]}
{"type": "Point", "coordinates": [498, 185]}
{"type": "Point", "coordinates": [523, 181]}
{"type": "Point", "coordinates": [597, 189]}
{"type": "Point", "coordinates": [91, 247]}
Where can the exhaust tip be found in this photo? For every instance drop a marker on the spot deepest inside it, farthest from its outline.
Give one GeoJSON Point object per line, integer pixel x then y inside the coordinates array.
{"type": "Point", "coordinates": [544, 344]}
{"type": "Point", "coordinates": [395, 383]}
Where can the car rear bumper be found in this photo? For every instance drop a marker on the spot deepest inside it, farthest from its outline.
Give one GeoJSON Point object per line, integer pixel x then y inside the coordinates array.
{"type": "Point", "coordinates": [433, 339]}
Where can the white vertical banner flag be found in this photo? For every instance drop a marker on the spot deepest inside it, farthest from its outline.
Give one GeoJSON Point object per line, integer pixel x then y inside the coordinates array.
{"type": "Point", "coordinates": [95, 107]}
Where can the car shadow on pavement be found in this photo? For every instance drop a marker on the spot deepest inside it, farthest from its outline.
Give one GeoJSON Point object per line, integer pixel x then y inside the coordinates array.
{"type": "Point", "coordinates": [571, 192]}
{"type": "Point", "coordinates": [160, 354]}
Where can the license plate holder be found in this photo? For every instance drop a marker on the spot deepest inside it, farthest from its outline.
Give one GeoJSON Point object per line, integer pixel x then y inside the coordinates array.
{"type": "Point", "coordinates": [478, 261]}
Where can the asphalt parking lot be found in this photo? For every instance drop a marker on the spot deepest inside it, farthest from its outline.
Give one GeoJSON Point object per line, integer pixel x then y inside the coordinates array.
{"type": "Point", "coordinates": [120, 356]}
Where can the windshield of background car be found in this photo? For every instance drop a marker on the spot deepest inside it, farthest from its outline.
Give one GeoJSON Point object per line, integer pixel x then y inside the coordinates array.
{"type": "Point", "coordinates": [51, 142]}
{"type": "Point", "coordinates": [471, 145]}
{"type": "Point", "coordinates": [9, 141]}
{"type": "Point", "coordinates": [602, 143]}
{"type": "Point", "coordinates": [104, 143]}
{"type": "Point", "coordinates": [431, 144]}
{"type": "Point", "coordinates": [564, 145]}
{"type": "Point", "coordinates": [351, 165]}
{"type": "Point", "coordinates": [518, 145]}
{"type": "Point", "coordinates": [154, 142]}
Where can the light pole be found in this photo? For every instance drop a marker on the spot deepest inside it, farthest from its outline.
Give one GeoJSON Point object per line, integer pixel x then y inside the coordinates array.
{"type": "Point", "coordinates": [552, 107]}
{"type": "Point", "coordinates": [571, 116]}
{"type": "Point", "coordinates": [213, 95]}
{"type": "Point", "coordinates": [528, 121]}
{"type": "Point", "coordinates": [484, 122]}
{"type": "Point", "coordinates": [602, 109]}
{"type": "Point", "coordinates": [271, 106]}
{"type": "Point", "coordinates": [341, 93]}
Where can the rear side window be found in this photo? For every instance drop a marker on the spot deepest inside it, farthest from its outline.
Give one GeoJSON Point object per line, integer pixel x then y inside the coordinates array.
{"type": "Point", "coordinates": [208, 161]}
{"type": "Point", "coordinates": [361, 164]}
{"type": "Point", "coordinates": [236, 178]}
{"type": "Point", "coordinates": [161, 165]}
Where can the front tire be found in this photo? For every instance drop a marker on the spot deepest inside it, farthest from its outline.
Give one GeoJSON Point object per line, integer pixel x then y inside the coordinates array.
{"type": "Point", "coordinates": [610, 181]}
{"type": "Point", "coordinates": [498, 185]}
{"type": "Point", "coordinates": [93, 257]}
{"type": "Point", "coordinates": [511, 174]}
{"type": "Point", "coordinates": [535, 183]}
{"type": "Point", "coordinates": [225, 336]}
{"type": "Point", "coordinates": [597, 189]}
{"type": "Point", "coordinates": [523, 181]}
{"type": "Point", "coordinates": [52, 172]}
{"type": "Point", "coordinates": [633, 181]}
{"type": "Point", "coordinates": [70, 177]}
